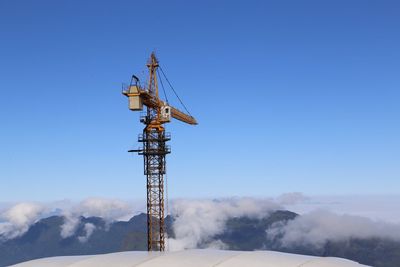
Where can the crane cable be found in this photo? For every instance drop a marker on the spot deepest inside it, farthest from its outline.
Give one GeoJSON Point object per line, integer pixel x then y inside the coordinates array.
{"type": "Point", "coordinates": [167, 206]}
{"type": "Point", "coordinates": [166, 177]}
{"type": "Point", "coordinates": [174, 91]}
{"type": "Point", "coordinates": [166, 200]}
{"type": "Point", "coordinates": [162, 86]}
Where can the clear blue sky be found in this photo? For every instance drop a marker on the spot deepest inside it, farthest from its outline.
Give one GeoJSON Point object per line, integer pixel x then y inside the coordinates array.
{"type": "Point", "coordinates": [290, 96]}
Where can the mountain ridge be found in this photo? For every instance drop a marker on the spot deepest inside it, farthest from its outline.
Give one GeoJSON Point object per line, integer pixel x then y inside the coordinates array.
{"type": "Point", "coordinates": [43, 239]}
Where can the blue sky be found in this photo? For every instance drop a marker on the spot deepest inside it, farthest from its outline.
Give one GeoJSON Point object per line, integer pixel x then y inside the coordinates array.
{"type": "Point", "coordinates": [289, 95]}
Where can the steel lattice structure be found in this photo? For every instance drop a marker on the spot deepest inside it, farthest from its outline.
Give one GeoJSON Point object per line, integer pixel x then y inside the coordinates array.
{"type": "Point", "coordinates": [154, 149]}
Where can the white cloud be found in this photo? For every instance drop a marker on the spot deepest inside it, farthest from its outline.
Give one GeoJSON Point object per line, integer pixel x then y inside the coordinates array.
{"type": "Point", "coordinates": [108, 209]}
{"type": "Point", "coordinates": [89, 229]}
{"type": "Point", "coordinates": [376, 207]}
{"type": "Point", "coordinates": [17, 219]}
{"type": "Point", "coordinates": [71, 223]}
{"type": "Point", "coordinates": [317, 227]}
{"type": "Point", "coordinates": [197, 221]}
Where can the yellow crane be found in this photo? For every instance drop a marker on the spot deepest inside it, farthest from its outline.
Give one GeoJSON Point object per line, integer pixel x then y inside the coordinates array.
{"type": "Point", "coordinates": [154, 148]}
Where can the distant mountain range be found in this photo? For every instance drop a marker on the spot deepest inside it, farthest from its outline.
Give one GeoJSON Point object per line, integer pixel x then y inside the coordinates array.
{"type": "Point", "coordinates": [43, 239]}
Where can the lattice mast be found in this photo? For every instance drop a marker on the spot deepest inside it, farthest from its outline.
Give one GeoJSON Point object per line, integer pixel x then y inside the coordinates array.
{"type": "Point", "coordinates": [154, 148]}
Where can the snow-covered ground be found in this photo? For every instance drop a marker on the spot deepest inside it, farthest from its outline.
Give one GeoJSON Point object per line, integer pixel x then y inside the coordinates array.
{"type": "Point", "coordinates": [192, 258]}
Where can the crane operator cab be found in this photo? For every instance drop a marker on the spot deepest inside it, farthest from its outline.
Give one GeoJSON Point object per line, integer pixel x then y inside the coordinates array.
{"type": "Point", "coordinates": [165, 113]}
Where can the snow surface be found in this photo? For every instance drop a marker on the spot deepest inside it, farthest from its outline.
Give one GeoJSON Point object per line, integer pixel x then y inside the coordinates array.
{"type": "Point", "coordinates": [193, 258]}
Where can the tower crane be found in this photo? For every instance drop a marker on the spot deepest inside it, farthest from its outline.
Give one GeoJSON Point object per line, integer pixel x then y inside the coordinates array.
{"type": "Point", "coordinates": [154, 149]}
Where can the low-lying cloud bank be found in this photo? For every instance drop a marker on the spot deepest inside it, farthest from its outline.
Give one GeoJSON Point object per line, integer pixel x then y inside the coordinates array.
{"type": "Point", "coordinates": [318, 227]}
{"type": "Point", "coordinates": [108, 209]}
{"type": "Point", "coordinates": [376, 207]}
{"type": "Point", "coordinates": [197, 222]}
{"type": "Point", "coordinates": [16, 220]}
